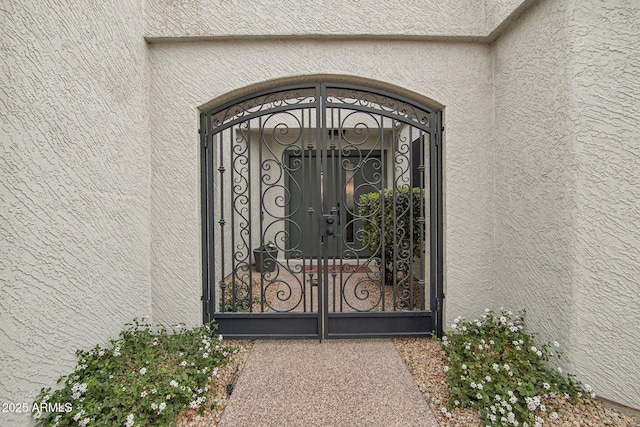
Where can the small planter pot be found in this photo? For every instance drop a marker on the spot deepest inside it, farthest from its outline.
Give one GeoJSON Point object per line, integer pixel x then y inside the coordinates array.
{"type": "Point", "coordinates": [265, 259]}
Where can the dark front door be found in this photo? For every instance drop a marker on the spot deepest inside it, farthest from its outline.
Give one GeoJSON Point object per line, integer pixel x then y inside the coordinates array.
{"type": "Point", "coordinates": [346, 178]}
{"type": "Point", "coordinates": [343, 185]}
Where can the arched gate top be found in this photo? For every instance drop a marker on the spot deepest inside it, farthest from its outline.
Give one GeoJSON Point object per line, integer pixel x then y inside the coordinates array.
{"type": "Point", "coordinates": [320, 95]}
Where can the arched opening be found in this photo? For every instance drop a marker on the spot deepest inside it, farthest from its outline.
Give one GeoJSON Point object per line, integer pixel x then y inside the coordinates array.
{"type": "Point", "coordinates": [322, 212]}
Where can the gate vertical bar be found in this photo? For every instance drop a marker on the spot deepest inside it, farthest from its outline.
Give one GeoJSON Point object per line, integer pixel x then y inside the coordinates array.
{"type": "Point", "coordinates": [439, 223]}
{"type": "Point", "coordinates": [250, 215]}
{"type": "Point", "coordinates": [211, 219]}
{"type": "Point", "coordinates": [321, 142]}
{"type": "Point", "coordinates": [206, 317]}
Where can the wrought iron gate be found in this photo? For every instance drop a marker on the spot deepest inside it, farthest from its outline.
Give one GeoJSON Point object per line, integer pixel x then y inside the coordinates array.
{"type": "Point", "coordinates": [321, 214]}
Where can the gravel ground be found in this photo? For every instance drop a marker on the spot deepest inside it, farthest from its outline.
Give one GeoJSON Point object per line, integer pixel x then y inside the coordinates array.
{"type": "Point", "coordinates": [226, 375]}
{"type": "Point", "coordinates": [426, 360]}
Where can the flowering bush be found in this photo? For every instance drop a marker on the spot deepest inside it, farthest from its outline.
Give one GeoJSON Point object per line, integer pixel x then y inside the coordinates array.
{"type": "Point", "coordinates": [499, 369]}
{"type": "Point", "coordinates": [145, 378]}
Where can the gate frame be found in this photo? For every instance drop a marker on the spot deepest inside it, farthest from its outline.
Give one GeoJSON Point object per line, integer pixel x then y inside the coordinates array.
{"type": "Point", "coordinates": [295, 325]}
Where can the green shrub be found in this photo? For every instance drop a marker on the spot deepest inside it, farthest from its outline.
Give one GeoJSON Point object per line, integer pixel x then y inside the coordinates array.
{"type": "Point", "coordinates": [145, 378]}
{"type": "Point", "coordinates": [498, 368]}
{"type": "Point", "coordinates": [404, 229]}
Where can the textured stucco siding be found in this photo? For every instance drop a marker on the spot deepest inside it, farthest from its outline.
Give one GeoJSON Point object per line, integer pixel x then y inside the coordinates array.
{"type": "Point", "coordinates": [605, 73]}
{"type": "Point", "coordinates": [394, 18]}
{"type": "Point", "coordinates": [74, 222]}
{"type": "Point", "coordinates": [187, 75]}
{"type": "Point", "coordinates": [534, 176]}
{"type": "Point", "coordinates": [567, 167]}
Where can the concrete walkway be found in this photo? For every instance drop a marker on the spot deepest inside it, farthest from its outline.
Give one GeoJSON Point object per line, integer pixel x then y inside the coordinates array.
{"type": "Point", "coordinates": [333, 383]}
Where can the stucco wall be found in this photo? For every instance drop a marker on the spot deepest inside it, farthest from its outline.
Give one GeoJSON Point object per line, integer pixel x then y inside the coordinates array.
{"type": "Point", "coordinates": [534, 167]}
{"type": "Point", "coordinates": [460, 19]}
{"type": "Point", "coordinates": [187, 75]}
{"type": "Point", "coordinates": [567, 170]}
{"type": "Point", "coordinates": [74, 223]}
{"type": "Point", "coordinates": [605, 73]}
{"type": "Point", "coordinates": [394, 18]}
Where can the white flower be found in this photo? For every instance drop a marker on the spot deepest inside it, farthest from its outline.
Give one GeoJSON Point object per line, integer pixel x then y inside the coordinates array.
{"type": "Point", "coordinates": [492, 342]}
{"type": "Point", "coordinates": [514, 329]}
{"type": "Point", "coordinates": [496, 367]}
{"type": "Point", "coordinates": [588, 388]}
{"type": "Point", "coordinates": [456, 402]}
{"type": "Point", "coordinates": [454, 326]}
{"type": "Point", "coordinates": [543, 408]}
{"type": "Point", "coordinates": [479, 386]}
{"type": "Point", "coordinates": [129, 421]}
{"type": "Point", "coordinates": [143, 371]}
{"type": "Point", "coordinates": [162, 407]}
{"type": "Point", "coordinates": [553, 415]}
{"type": "Point", "coordinates": [557, 344]}
{"type": "Point", "coordinates": [83, 423]}
{"type": "Point", "coordinates": [101, 353]}
{"type": "Point", "coordinates": [480, 347]}
{"type": "Point", "coordinates": [116, 351]}
{"type": "Point", "coordinates": [174, 383]}
{"type": "Point", "coordinates": [143, 394]}
{"type": "Point", "coordinates": [220, 337]}
{"type": "Point", "coordinates": [539, 353]}
{"type": "Point", "coordinates": [503, 320]}
{"type": "Point", "coordinates": [446, 369]}
{"type": "Point", "coordinates": [510, 393]}
{"type": "Point", "coordinates": [486, 310]}
{"type": "Point", "coordinates": [154, 391]}
{"type": "Point", "coordinates": [479, 396]}
{"type": "Point", "coordinates": [183, 363]}
{"type": "Point", "coordinates": [464, 366]}
{"type": "Point", "coordinates": [154, 406]}
{"type": "Point", "coordinates": [205, 355]}
{"type": "Point", "coordinates": [498, 397]}
{"type": "Point", "coordinates": [473, 385]}
{"type": "Point", "coordinates": [534, 349]}
{"type": "Point", "coordinates": [559, 369]}
{"type": "Point", "coordinates": [546, 386]}
{"type": "Point", "coordinates": [506, 367]}
{"type": "Point", "coordinates": [488, 378]}
{"type": "Point", "coordinates": [513, 399]}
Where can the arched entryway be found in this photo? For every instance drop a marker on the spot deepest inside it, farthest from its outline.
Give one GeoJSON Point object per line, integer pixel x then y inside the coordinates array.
{"type": "Point", "coordinates": [322, 213]}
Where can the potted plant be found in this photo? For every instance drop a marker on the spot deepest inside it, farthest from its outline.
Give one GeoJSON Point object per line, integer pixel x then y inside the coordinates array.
{"type": "Point", "coordinates": [265, 257]}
